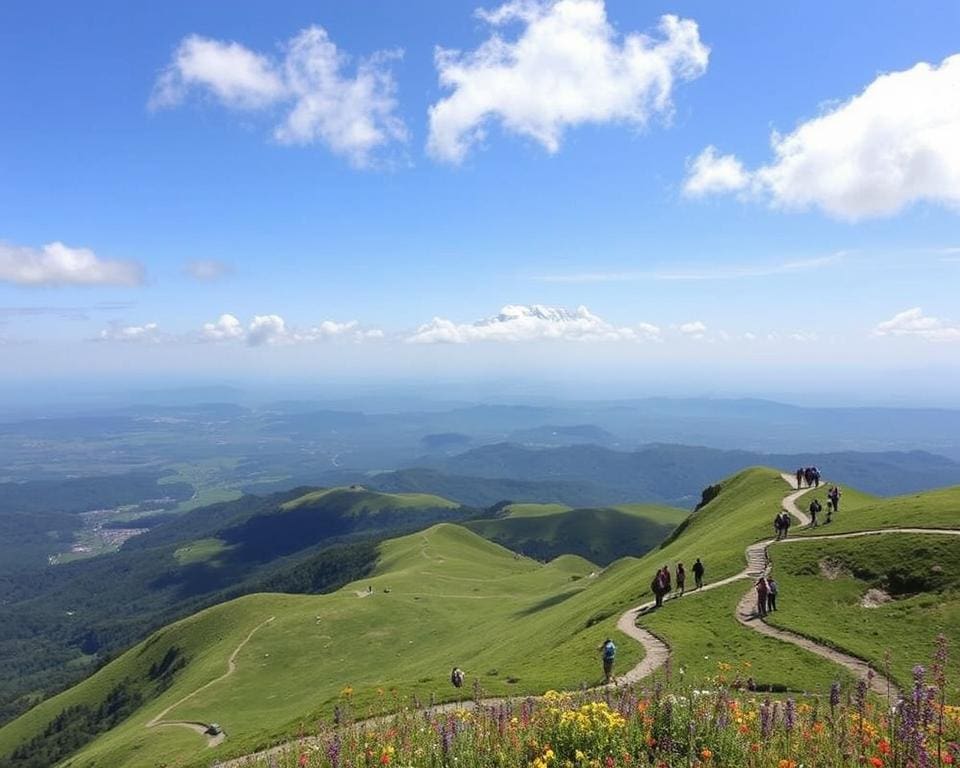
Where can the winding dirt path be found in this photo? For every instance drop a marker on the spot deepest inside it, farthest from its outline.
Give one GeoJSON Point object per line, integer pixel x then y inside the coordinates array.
{"type": "Point", "coordinates": [212, 740]}
{"type": "Point", "coordinates": [656, 651]}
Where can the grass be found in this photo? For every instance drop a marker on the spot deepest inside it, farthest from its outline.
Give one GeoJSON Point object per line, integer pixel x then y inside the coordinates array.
{"type": "Point", "coordinates": [918, 570]}
{"type": "Point", "coordinates": [535, 510]}
{"type": "Point", "coordinates": [703, 633]}
{"type": "Point", "coordinates": [199, 551]}
{"type": "Point", "coordinates": [859, 512]}
{"type": "Point", "coordinates": [371, 501]}
{"type": "Point", "coordinates": [600, 535]}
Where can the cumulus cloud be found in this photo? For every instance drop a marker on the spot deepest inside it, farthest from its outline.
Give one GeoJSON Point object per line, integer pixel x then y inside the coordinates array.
{"type": "Point", "coordinates": [517, 323]}
{"type": "Point", "coordinates": [913, 323]}
{"type": "Point", "coordinates": [207, 270]}
{"type": "Point", "coordinates": [712, 173]}
{"type": "Point", "coordinates": [352, 114]}
{"type": "Point", "coordinates": [566, 67]}
{"type": "Point", "coordinates": [226, 327]}
{"type": "Point", "coordinates": [148, 333]}
{"type": "Point", "coordinates": [273, 330]}
{"type": "Point", "coordinates": [59, 264]}
{"type": "Point", "coordinates": [892, 145]}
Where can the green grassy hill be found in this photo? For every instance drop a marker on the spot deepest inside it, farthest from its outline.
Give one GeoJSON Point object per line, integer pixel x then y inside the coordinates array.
{"type": "Point", "coordinates": [545, 531]}
{"type": "Point", "coordinates": [58, 624]}
{"type": "Point", "coordinates": [446, 596]}
{"type": "Point", "coordinates": [441, 597]}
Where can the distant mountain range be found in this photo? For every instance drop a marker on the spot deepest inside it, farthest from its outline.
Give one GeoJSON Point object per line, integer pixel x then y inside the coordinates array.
{"type": "Point", "coordinates": [672, 474]}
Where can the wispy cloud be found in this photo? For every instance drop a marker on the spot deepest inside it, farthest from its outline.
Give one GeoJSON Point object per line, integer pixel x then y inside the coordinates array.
{"type": "Point", "coordinates": [696, 273]}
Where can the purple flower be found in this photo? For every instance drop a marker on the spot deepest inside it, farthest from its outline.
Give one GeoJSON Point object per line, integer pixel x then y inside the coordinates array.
{"type": "Point", "coordinates": [834, 696]}
{"type": "Point", "coordinates": [790, 714]}
{"type": "Point", "coordinates": [333, 751]}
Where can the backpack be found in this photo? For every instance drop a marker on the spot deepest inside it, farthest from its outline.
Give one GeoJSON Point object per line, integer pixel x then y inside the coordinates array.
{"type": "Point", "coordinates": [609, 651]}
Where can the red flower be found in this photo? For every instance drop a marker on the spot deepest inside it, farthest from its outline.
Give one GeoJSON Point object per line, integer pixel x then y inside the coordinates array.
{"type": "Point", "coordinates": [876, 762]}
{"type": "Point", "coordinates": [303, 759]}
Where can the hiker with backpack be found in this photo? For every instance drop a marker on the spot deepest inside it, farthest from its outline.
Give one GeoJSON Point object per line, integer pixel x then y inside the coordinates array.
{"type": "Point", "coordinates": [799, 479]}
{"type": "Point", "coordinates": [834, 495]}
{"type": "Point", "coordinates": [656, 586]}
{"type": "Point", "coordinates": [785, 523]}
{"type": "Point", "coordinates": [778, 525]}
{"type": "Point", "coordinates": [772, 590]}
{"type": "Point", "coordinates": [681, 578]}
{"type": "Point", "coordinates": [761, 587]}
{"type": "Point", "coordinates": [609, 652]}
{"type": "Point", "coordinates": [814, 511]}
{"type": "Point", "coordinates": [457, 677]}
{"type": "Point", "coordinates": [698, 571]}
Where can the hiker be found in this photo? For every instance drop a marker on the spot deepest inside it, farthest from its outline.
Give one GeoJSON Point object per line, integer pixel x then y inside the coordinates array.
{"type": "Point", "coordinates": [778, 525]}
{"type": "Point", "coordinates": [456, 677]}
{"type": "Point", "coordinates": [609, 652]}
{"type": "Point", "coordinates": [834, 495]}
{"type": "Point", "coordinates": [698, 571]}
{"type": "Point", "coordinates": [814, 511]}
{"type": "Point", "coordinates": [785, 524]}
{"type": "Point", "coordinates": [681, 578]}
{"type": "Point", "coordinates": [771, 594]}
{"type": "Point", "coordinates": [761, 586]}
{"type": "Point", "coordinates": [656, 586]}
{"type": "Point", "coordinates": [816, 477]}
{"type": "Point", "coordinates": [666, 580]}
{"type": "Point", "coordinates": [799, 479]}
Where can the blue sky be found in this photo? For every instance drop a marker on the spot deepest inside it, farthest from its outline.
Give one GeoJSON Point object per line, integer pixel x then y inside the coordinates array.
{"type": "Point", "coordinates": [176, 138]}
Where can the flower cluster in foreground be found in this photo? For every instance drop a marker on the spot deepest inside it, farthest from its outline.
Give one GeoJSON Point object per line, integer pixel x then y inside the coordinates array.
{"type": "Point", "coordinates": [664, 726]}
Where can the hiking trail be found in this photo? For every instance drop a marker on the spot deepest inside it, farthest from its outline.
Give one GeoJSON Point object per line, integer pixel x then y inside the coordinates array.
{"type": "Point", "coordinates": [202, 728]}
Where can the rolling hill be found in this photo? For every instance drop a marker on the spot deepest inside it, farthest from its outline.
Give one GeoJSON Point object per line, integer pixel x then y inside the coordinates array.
{"type": "Point", "coordinates": [545, 531]}
{"type": "Point", "coordinates": [517, 626]}
{"type": "Point", "coordinates": [57, 624]}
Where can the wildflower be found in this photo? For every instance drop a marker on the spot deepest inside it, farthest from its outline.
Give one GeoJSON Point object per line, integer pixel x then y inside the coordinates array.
{"type": "Point", "coordinates": [785, 763]}
{"type": "Point", "coordinates": [303, 759]}
{"type": "Point", "coordinates": [705, 754]}
{"type": "Point", "coordinates": [346, 691]}
{"type": "Point", "coordinates": [876, 762]}
{"type": "Point", "coordinates": [834, 696]}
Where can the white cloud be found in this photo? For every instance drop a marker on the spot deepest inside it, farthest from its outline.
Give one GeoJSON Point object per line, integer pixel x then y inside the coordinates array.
{"type": "Point", "coordinates": [226, 328]}
{"type": "Point", "coordinates": [804, 337]}
{"type": "Point", "coordinates": [59, 264]}
{"type": "Point", "coordinates": [267, 329]}
{"type": "Point", "coordinates": [273, 330]}
{"type": "Point", "coordinates": [568, 66]}
{"type": "Point", "coordinates": [892, 145]}
{"type": "Point", "coordinates": [711, 173]}
{"type": "Point", "coordinates": [694, 329]}
{"type": "Point", "coordinates": [148, 333]}
{"type": "Point", "coordinates": [207, 270]}
{"type": "Point", "coordinates": [913, 323]}
{"type": "Point", "coordinates": [353, 115]}
{"type": "Point", "coordinates": [517, 323]}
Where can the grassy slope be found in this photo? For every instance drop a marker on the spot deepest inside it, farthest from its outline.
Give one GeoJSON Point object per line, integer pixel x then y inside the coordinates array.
{"type": "Point", "coordinates": [534, 510]}
{"type": "Point", "coordinates": [600, 535]}
{"type": "Point", "coordinates": [920, 570]}
{"type": "Point", "coordinates": [372, 501]}
{"type": "Point", "coordinates": [454, 599]}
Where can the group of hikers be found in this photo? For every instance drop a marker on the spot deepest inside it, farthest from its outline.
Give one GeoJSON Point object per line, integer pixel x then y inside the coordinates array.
{"type": "Point", "coordinates": [810, 475]}
{"type": "Point", "coordinates": [833, 505]}
{"type": "Point", "coordinates": [661, 585]}
{"type": "Point", "coordinates": [766, 595]}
